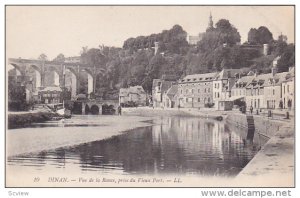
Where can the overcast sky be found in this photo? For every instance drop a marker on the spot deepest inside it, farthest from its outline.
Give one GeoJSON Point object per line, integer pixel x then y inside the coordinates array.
{"type": "Point", "coordinates": [31, 31]}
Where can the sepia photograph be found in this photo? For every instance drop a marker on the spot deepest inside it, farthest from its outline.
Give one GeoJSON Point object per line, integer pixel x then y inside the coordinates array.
{"type": "Point", "coordinates": [150, 96]}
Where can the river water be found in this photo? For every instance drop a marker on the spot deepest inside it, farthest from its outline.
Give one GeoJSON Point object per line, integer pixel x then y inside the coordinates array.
{"type": "Point", "coordinates": [175, 145]}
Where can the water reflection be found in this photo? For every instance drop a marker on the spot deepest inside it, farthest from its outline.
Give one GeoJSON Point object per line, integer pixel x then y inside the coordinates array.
{"type": "Point", "coordinates": [179, 145]}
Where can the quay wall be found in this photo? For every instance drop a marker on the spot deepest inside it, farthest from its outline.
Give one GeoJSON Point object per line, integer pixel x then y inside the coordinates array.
{"type": "Point", "coordinates": [262, 124]}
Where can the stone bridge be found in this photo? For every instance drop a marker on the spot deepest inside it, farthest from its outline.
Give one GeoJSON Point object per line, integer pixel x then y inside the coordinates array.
{"type": "Point", "coordinates": [42, 68]}
{"type": "Point", "coordinates": [99, 106]}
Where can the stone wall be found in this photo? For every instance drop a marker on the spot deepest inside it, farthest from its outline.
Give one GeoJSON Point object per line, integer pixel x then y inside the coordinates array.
{"type": "Point", "coordinates": [263, 125]}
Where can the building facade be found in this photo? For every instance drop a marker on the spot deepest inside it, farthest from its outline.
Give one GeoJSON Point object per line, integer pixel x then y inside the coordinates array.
{"type": "Point", "coordinates": [196, 90]}
{"type": "Point", "coordinates": [238, 90]}
{"type": "Point", "coordinates": [50, 95]}
{"type": "Point", "coordinates": [160, 87]}
{"type": "Point", "coordinates": [223, 83]}
{"type": "Point", "coordinates": [288, 90]}
{"type": "Point", "coordinates": [170, 97]}
{"type": "Point", "coordinates": [134, 95]}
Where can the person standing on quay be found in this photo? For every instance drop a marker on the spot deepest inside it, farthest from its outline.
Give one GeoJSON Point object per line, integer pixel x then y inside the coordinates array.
{"type": "Point", "coordinates": [119, 110]}
{"type": "Point", "coordinates": [251, 109]}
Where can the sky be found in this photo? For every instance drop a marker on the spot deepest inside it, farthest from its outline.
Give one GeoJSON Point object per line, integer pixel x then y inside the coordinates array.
{"type": "Point", "coordinates": [32, 30]}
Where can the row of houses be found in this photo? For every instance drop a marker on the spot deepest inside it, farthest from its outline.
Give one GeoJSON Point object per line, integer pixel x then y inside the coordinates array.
{"type": "Point", "coordinates": [222, 89]}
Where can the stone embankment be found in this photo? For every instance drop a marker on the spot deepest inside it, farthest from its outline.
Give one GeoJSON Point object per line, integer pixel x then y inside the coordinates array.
{"type": "Point", "coordinates": [273, 165]}
{"type": "Point", "coordinates": [263, 125]}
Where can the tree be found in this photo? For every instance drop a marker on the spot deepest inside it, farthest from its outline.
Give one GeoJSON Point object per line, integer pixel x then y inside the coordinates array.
{"type": "Point", "coordinates": [260, 36]}
{"type": "Point", "coordinates": [287, 58]}
{"type": "Point", "coordinates": [173, 40]}
{"type": "Point", "coordinates": [227, 32]}
{"type": "Point", "coordinates": [59, 58]}
{"type": "Point", "coordinates": [253, 36]}
{"type": "Point", "coordinates": [43, 57]}
{"type": "Point", "coordinates": [264, 35]}
{"type": "Point", "coordinates": [224, 33]}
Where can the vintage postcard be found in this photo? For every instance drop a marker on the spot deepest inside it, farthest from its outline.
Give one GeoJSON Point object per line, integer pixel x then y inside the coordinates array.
{"type": "Point", "coordinates": [150, 96]}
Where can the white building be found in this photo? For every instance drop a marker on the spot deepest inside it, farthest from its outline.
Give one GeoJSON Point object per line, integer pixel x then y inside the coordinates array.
{"type": "Point", "coordinates": [223, 84]}
{"type": "Point", "coordinates": [288, 90]}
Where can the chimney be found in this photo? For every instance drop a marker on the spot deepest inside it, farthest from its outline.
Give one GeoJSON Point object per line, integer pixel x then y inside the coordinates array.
{"type": "Point", "coordinates": [266, 49]}
{"type": "Point", "coordinates": [229, 74]}
{"type": "Point", "coordinates": [274, 70]}
{"type": "Point", "coordinates": [155, 48]}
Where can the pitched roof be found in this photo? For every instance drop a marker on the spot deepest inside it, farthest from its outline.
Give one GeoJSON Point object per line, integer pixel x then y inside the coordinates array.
{"type": "Point", "coordinates": [276, 80]}
{"type": "Point", "coordinates": [199, 77]}
{"type": "Point", "coordinates": [172, 91]}
{"type": "Point", "coordinates": [229, 73]}
{"type": "Point", "coordinates": [244, 81]}
{"type": "Point", "coordinates": [131, 90]}
{"type": "Point", "coordinates": [136, 89]}
{"type": "Point", "coordinates": [123, 92]}
{"type": "Point", "coordinates": [165, 86]}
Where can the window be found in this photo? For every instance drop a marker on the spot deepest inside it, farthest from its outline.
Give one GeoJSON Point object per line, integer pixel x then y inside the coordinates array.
{"type": "Point", "coordinates": [198, 99]}
{"type": "Point", "coordinates": [186, 91]}
{"type": "Point", "coordinates": [186, 99]}
{"type": "Point", "coordinates": [288, 88]}
{"type": "Point", "coordinates": [205, 90]}
{"type": "Point", "coordinates": [192, 90]}
{"type": "Point", "coordinates": [208, 90]}
{"type": "Point", "coordinates": [198, 90]}
{"type": "Point", "coordinates": [273, 91]}
{"type": "Point", "coordinates": [159, 84]}
{"type": "Point", "coordinates": [215, 85]}
{"type": "Point", "coordinates": [208, 100]}
{"type": "Point", "coordinates": [181, 91]}
{"type": "Point", "coordinates": [218, 95]}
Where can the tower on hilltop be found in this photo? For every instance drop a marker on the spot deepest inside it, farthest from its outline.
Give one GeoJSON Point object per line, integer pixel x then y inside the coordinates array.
{"type": "Point", "coordinates": [210, 22]}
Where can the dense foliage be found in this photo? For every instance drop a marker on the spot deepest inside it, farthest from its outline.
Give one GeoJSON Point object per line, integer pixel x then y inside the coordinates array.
{"type": "Point", "coordinates": [137, 64]}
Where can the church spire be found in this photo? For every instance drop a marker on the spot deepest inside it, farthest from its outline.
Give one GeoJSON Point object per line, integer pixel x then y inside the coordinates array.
{"type": "Point", "coordinates": [210, 22]}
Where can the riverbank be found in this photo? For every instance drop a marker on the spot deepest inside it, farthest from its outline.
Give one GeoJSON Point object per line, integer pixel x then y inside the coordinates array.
{"type": "Point", "coordinates": [150, 112]}
{"type": "Point", "coordinates": [23, 119]}
{"type": "Point", "coordinates": [77, 130]}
